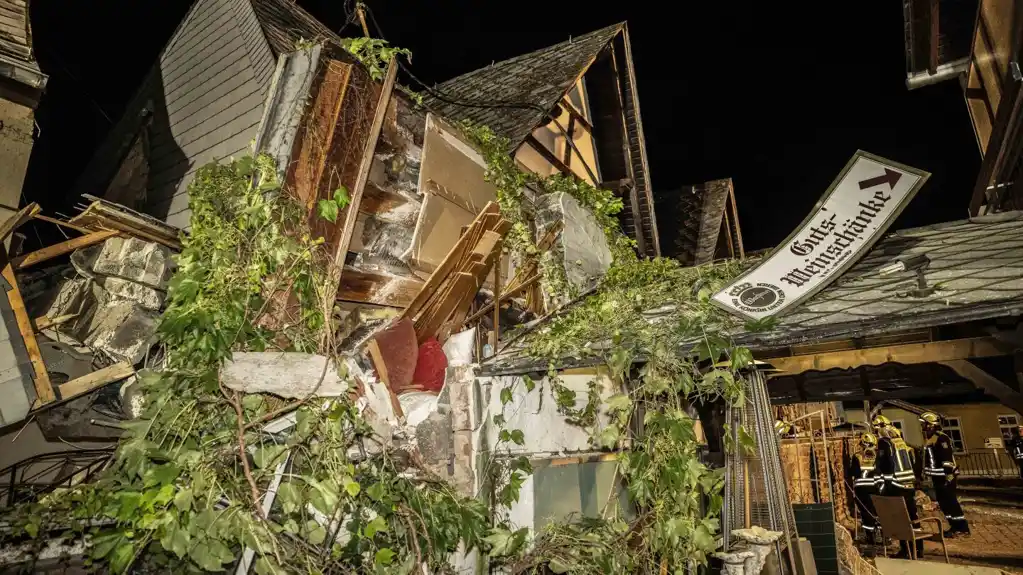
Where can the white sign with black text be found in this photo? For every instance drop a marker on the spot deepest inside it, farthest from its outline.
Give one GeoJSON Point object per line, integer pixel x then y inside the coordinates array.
{"type": "Point", "coordinates": [861, 203]}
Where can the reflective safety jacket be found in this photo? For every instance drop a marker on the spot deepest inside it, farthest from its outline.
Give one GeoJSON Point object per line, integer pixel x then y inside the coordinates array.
{"type": "Point", "coordinates": [939, 456]}
{"type": "Point", "coordinates": [894, 463]}
{"type": "Point", "coordinates": [861, 472]}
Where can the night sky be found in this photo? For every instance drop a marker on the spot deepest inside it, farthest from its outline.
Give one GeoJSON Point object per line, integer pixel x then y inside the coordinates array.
{"type": "Point", "coordinates": [776, 95]}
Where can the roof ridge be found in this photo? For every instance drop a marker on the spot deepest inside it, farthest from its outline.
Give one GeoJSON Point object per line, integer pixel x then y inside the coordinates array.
{"type": "Point", "coordinates": [514, 59]}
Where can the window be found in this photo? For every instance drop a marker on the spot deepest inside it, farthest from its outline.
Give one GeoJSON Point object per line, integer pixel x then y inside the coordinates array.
{"type": "Point", "coordinates": [1006, 423]}
{"type": "Point", "coordinates": [953, 427]}
{"type": "Point", "coordinates": [898, 424]}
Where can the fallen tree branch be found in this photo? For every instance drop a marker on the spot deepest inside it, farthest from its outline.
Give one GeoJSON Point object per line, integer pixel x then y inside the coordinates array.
{"type": "Point", "coordinates": [242, 451]}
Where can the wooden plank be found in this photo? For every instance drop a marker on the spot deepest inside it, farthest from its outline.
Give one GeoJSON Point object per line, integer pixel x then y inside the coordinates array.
{"type": "Point", "coordinates": [446, 266]}
{"type": "Point", "coordinates": [463, 284]}
{"type": "Point", "coordinates": [908, 353]}
{"type": "Point", "coordinates": [548, 155]}
{"type": "Point", "coordinates": [378, 289]}
{"type": "Point", "coordinates": [56, 250]}
{"type": "Point", "coordinates": [337, 269]}
{"type": "Point", "coordinates": [95, 380]}
{"type": "Point", "coordinates": [378, 201]}
{"type": "Point", "coordinates": [18, 219]}
{"type": "Point", "coordinates": [63, 224]}
{"type": "Point", "coordinates": [44, 391]}
{"type": "Point", "coordinates": [496, 333]}
{"type": "Point", "coordinates": [504, 297]}
{"type": "Point", "coordinates": [381, 368]}
{"type": "Point", "coordinates": [45, 322]}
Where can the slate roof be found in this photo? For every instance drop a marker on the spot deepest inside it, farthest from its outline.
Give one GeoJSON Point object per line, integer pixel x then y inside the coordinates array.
{"type": "Point", "coordinates": [700, 210]}
{"type": "Point", "coordinates": [539, 79]}
{"type": "Point", "coordinates": [976, 264]}
{"type": "Point", "coordinates": [16, 58]}
{"type": "Point", "coordinates": [284, 23]}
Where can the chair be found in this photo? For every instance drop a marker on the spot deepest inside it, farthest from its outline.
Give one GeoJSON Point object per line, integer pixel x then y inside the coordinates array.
{"type": "Point", "coordinates": [894, 519]}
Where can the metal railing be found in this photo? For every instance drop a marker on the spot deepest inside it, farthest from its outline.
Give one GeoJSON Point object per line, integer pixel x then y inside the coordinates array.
{"type": "Point", "coordinates": [995, 463]}
{"type": "Point", "coordinates": [36, 476]}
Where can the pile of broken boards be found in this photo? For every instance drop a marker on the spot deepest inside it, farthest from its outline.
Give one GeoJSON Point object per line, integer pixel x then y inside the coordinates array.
{"type": "Point", "coordinates": [93, 315]}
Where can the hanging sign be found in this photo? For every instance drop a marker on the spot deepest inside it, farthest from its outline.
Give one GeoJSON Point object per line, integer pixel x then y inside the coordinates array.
{"type": "Point", "coordinates": [858, 207]}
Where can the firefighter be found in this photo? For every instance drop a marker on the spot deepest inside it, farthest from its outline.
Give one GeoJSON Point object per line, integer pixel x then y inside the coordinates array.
{"type": "Point", "coordinates": [940, 466]}
{"type": "Point", "coordinates": [861, 476]}
{"type": "Point", "coordinates": [894, 473]}
{"type": "Point", "coordinates": [1015, 448]}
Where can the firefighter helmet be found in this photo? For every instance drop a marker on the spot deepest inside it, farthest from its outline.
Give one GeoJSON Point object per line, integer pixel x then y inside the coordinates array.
{"type": "Point", "coordinates": [930, 419]}
{"type": "Point", "coordinates": [891, 432]}
{"type": "Point", "coordinates": [880, 422]}
{"type": "Point", "coordinates": [782, 427]}
{"type": "Point", "coordinates": [868, 440]}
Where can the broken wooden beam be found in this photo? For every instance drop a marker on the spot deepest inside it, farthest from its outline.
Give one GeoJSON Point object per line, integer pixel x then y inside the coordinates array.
{"type": "Point", "coordinates": [18, 219]}
{"type": "Point", "coordinates": [95, 380]}
{"type": "Point", "coordinates": [379, 289]}
{"type": "Point", "coordinates": [44, 390]}
{"type": "Point", "coordinates": [65, 247]}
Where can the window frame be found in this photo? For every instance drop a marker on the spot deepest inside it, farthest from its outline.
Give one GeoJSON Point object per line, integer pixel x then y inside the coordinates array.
{"type": "Point", "coordinates": [1006, 428]}
{"type": "Point", "coordinates": [947, 426]}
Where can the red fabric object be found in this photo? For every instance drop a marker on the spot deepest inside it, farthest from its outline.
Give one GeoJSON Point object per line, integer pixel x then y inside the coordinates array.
{"type": "Point", "coordinates": [399, 352]}
{"type": "Point", "coordinates": [429, 374]}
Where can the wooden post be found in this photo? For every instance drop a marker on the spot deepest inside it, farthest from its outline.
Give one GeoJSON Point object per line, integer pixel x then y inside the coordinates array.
{"type": "Point", "coordinates": [352, 211]}
{"type": "Point", "coordinates": [44, 391]}
{"type": "Point", "coordinates": [496, 334]}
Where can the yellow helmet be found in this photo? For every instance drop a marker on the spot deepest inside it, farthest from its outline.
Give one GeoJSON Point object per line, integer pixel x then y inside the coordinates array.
{"type": "Point", "coordinates": [930, 419]}
{"type": "Point", "coordinates": [868, 440]}
{"type": "Point", "coordinates": [891, 432]}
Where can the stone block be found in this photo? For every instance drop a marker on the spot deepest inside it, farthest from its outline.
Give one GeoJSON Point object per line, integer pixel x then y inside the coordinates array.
{"type": "Point", "coordinates": [582, 247]}
{"type": "Point", "coordinates": [287, 374]}
{"type": "Point", "coordinates": [143, 262]}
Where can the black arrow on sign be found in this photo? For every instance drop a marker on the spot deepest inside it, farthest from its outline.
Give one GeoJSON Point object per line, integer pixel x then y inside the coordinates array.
{"type": "Point", "coordinates": [891, 177]}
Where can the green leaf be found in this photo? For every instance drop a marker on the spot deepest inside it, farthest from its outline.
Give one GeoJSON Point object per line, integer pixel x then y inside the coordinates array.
{"type": "Point", "coordinates": [506, 395]}
{"type": "Point", "coordinates": [267, 566]}
{"type": "Point", "coordinates": [351, 486]}
{"type": "Point", "coordinates": [252, 402]}
{"type": "Point", "coordinates": [290, 497]}
{"type": "Point", "coordinates": [741, 358]}
{"type": "Point", "coordinates": [619, 402]}
{"type": "Point", "coordinates": [183, 499]}
{"type": "Point", "coordinates": [518, 437]}
{"type": "Point", "coordinates": [556, 566]}
{"type": "Point", "coordinates": [32, 529]}
{"type": "Point", "coordinates": [609, 436]}
{"type": "Point", "coordinates": [377, 525]}
{"type": "Point", "coordinates": [162, 474]}
{"type": "Point", "coordinates": [327, 493]}
{"type": "Point", "coordinates": [530, 384]}
{"type": "Point", "coordinates": [121, 558]}
{"type": "Point", "coordinates": [376, 491]}
{"type": "Point", "coordinates": [327, 210]}
{"type": "Point", "coordinates": [341, 197]}
{"type": "Point", "coordinates": [499, 420]}
{"type": "Point", "coordinates": [177, 541]}
{"type": "Point", "coordinates": [504, 435]}
{"type": "Point", "coordinates": [104, 543]}
{"type": "Point", "coordinates": [205, 557]}
{"type": "Point", "coordinates": [315, 532]}
{"type": "Point", "coordinates": [384, 557]}
{"type": "Point", "coordinates": [268, 454]}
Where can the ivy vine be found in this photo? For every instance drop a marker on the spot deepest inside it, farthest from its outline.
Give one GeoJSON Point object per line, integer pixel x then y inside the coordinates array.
{"type": "Point", "coordinates": [185, 493]}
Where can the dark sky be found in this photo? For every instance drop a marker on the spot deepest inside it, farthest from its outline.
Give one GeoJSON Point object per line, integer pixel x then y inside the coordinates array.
{"type": "Point", "coordinates": [776, 95]}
